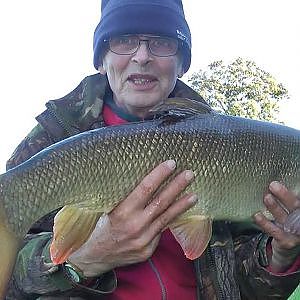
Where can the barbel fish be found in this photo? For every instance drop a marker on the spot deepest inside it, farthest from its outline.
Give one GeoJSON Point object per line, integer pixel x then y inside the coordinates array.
{"type": "Point", "coordinates": [234, 160]}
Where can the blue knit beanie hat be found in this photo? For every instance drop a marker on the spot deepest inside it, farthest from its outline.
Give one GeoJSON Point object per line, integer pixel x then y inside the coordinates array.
{"type": "Point", "coordinates": [162, 17]}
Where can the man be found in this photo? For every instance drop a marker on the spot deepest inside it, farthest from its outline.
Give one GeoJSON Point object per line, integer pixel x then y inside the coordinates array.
{"type": "Point", "coordinates": [141, 48]}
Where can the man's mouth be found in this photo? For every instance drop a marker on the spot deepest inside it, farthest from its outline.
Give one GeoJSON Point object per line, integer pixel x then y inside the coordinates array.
{"type": "Point", "coordinates": [139, 79]}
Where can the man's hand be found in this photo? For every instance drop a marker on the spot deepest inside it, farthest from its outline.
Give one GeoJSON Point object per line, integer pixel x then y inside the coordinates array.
{"type": "Point", "coordinates": [131, 231]}
{"type": "Point", "coordinates": [285, 246]}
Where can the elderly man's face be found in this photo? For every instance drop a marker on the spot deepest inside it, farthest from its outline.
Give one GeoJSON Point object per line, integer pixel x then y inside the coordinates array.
{"type": "Point", "coordinates": [141, 80]}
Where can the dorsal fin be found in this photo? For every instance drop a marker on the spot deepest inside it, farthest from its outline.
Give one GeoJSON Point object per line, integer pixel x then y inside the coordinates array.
{"type": "Point", "coordinates": [181, 107]}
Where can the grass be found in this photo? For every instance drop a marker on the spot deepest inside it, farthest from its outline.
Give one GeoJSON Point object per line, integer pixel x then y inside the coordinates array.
{"type": "Point", "coordinates": [296, 294]}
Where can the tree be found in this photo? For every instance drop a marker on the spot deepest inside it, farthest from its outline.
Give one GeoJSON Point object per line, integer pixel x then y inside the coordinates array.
{"type": "Point", "coordinates": [240, 88]}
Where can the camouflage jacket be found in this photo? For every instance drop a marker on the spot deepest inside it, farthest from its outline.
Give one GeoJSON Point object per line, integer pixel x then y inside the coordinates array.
{"type": "Point", "coordinates": [232, 266]}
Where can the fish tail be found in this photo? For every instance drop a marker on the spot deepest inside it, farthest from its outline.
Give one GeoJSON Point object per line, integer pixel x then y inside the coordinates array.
{"type": "Point", "coordinates": [9, 247]}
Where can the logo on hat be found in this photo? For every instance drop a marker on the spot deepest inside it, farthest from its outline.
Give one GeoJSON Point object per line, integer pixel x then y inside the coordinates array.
{"type": "Point", "coordinates": [180, 35]}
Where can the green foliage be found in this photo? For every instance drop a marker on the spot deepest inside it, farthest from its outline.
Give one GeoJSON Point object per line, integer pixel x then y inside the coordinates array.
{"type": "Point", "coordinates": [296, 294]}
{"type": "Point", "coordinates": [240, 88]}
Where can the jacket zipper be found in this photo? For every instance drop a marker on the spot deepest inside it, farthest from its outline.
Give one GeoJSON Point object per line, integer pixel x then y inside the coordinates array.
{"type": "Point", "coordinates": [199, 286]}
{"type": "Point", "coordinates": [213, 268]}
{"type": "Point", "coordinates": [59, 121]}
{"type": "Point", "coordinates": [162, 286]}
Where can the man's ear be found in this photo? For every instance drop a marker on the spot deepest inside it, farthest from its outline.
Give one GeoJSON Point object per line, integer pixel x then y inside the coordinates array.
{"type": "Point", "coordinates": [180, 73]}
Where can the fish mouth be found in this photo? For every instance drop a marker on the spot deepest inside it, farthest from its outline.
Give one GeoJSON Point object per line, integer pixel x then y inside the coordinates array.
{"type": "Point", "coordinates": [145, 80]}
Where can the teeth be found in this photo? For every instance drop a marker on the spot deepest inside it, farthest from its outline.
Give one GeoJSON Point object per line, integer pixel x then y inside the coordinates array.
{"type": "Point", "coordinates": [140, 81]}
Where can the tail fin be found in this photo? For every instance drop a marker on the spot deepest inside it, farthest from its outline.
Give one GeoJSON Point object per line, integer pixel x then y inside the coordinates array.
{"type": "Point", "coordinates": [9, 247]}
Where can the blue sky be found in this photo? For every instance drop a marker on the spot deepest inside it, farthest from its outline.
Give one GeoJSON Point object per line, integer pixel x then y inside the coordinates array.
{"type": "Point", "coordinates": [46, 49]}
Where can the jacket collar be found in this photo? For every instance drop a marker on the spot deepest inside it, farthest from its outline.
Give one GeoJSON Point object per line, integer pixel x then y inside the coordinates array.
{"type": "Point", "coordinates": [80, 110]}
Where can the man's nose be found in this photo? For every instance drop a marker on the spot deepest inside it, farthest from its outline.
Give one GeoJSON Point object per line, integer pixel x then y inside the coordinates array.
{"type": "Point", "coordinates": [143, 54]}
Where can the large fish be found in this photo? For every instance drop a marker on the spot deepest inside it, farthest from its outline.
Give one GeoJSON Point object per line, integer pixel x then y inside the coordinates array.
{"type": "Point", "coordinates": [89, 174]}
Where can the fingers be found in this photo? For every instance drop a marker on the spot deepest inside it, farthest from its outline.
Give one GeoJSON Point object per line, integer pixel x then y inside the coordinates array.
{"type": "Point", "coordinates": [285, 246]}
{"type": "Point", "coordinates": [281, 203]}
{"type": "Point", "coordinates": [286, 197]}
{"type": "Point", "coordinates": [286, 209]}
{"type": "Point", "coordinates": [148, 210]}
{"type": "Point", "coordinates": [269, 227]}
{"type": "Point", "coordinates": [140, 209]}
{"type": "Point", "coordinates": [141, 195]}
{"type": "Point", "coordinates": [278, 212]}
{"type": "Point", "coordinates": [162, 201]}
{"type": "Point", "coordinates": [177, 208]}
{"type": "Point", "coordinates": [131, 231]}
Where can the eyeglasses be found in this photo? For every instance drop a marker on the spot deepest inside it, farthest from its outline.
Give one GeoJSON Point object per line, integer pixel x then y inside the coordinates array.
{"type": "Point", "coordinates": [129, 44]}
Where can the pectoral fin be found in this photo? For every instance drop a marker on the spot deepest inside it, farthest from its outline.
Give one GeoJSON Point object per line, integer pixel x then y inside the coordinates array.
{"type": "Point", "coordinates": [193, 234]}
{"type": "Point", "coordinates": [72, 227]}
